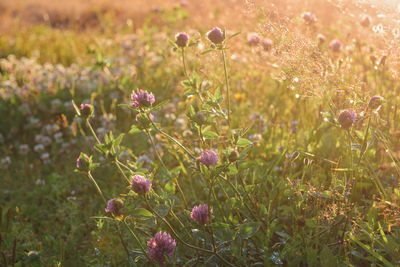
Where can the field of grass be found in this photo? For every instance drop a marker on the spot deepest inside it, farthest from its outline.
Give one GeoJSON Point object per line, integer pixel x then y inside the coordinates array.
{"type": "Point", "coordinates": [276, 145]}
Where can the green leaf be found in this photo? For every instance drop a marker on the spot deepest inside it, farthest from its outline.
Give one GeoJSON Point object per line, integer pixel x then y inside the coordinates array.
{"type": "Point", "coordinates": [222, 231]}
{"type": "Point", "coordinates": [206, 51]}
{"type": "Point", "coordinates": [233, 35]}
{"type": "Point", "coordinates": [127, 106]}
{"type": "Point", "coordinates": [162, 210]}
{"type": "Point", "coordinates": [242, 142]}
{"type": "Point", "coordinates": [141, 214]}
{"type": "Point", "coordinates": [370, 251]}
{"type": "Point", "coordinates": [247, 230]}
{"type": "Point", "coordinates": [210, 135]}
{"type": "Point", "coordinates": [134, 130]}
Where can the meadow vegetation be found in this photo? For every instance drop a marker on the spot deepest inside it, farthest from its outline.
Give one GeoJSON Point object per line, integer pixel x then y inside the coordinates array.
{"type": "Point", "coordinates": [236, 133]}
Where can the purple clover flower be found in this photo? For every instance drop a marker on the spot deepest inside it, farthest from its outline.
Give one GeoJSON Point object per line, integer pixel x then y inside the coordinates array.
{"type": "Point", "coordinates": [160, 245]}
{"type": "Point", "coordinates": [309, 17]}
{"type": "Point", "coordinates": [209, 158]}
{"type": "Point", "coordinates": [253, 38]}
{"type": "Point", "coordinates": [86, 110]}
{"type": "Point", "coordinates": [375, 102]}
{"type": "Point", "coordinates": [142, 98]}
{"type": "Point", "coordinates": [347, 118]}
{"type": "Point", "coordinates": [81, 163]}
{"type": "Point", "coordinates": [200, 214]}
{"type": "Point", "coordinates": [216, 35]}
{"type": "Point", "coordinates": [114, 205]}
{"type": "Point", "coordinates": [335, 45]}
{"type": "Point", "coordinates": [182, 39]}
{"type": "Point", "coordinates": [140, 185]}
{"type": "Point", "coordinates": [267, 44]}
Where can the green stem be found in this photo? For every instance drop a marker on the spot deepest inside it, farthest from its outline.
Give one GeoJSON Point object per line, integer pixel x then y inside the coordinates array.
{"type": "Point", "coordinates": [137, 240]}
{"type": "Point", "coordinates": [117, 163]}
{"type": "Point", "coordinates": [209, 211]}
{"type": "Point", "coordinates": [227, 88]}
{"type": "Point", "coordinates": [97, 186]}
{"type": "Point", "coordinates": [172, 139]}
{"type": "Point", "coordinates": [183, 242]}
{"type": "Point", "coordinates": [93, 132]}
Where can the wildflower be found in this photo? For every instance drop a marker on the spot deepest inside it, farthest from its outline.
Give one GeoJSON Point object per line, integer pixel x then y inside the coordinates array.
{"type": "Point", "coordinates": [160, 245]}
{"type": "Point", "coordinates": [200, 214]}
{"type": "Point", "coordinates": [347, 118]}
{"type": "Point", "coordinates": [366, 21]}
{"type": "Point", "coordinates": [114, 205]}
{"type": "Point", "coordinates": [335, 45]}
{"type": "Point", "coordinates": [209, 158]}
{"type": "Point", "coordinates": [82, 161]}
{"type": "Point", "coordinates": [23, 149]}
{"type": "Point", "coordinates": [321, 38]}
{"type": "Point", "coordinates": [309, 17]}
{"type": "Point", "coordinates": [375, 102]}
{"type": "Point", "coordinates": [267, 44]}
{"type": "Point", "coordinates": [253, 38]}
{"type": "Point", "coordinates": [216, 35]}
{"type": "Point", "coordinates": [45, 157]}
{"type": "Point", "coordinates": [140, 184]}
{"type": "Point", "coordinates": [182, 39]}
{"type": "Point", "coordinates": [142, 98]}
{"type": "Point", "coordinates": [86, 110]}
{"type": "Point", "coordinates": [5, 162]}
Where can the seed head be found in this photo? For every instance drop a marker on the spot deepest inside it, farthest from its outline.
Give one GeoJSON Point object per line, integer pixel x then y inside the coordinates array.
{"type": "Point", "coordinates": [160, 245]}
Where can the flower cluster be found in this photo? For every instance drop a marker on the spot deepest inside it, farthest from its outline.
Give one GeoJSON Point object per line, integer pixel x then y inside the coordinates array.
{"type": "Point", "coordinates": [159, 246]}
{"type": "Point", "coordinates": [140, 184]}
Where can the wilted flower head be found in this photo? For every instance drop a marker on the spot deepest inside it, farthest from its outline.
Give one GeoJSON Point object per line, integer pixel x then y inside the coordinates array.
{"type": "Point", "coordinates": [86, 110]}
{"type": "Point", "coordinates": [200, 214]}
{"type": "Point", "coordinates": [114, 205]}
{"type": "Point", "coordinates": [347, 118]}
{"type": "Point", "coordinates": [209, 158]}
{"type": "Point", "coordinates": [253, 38]}
{"type": "Point", "coordinates": [375, 102]}
{"type": "Point", "coordinates": [182, 39]}
{"type": "Point", "coordinates": [309, 17]}
{"type": "Point", "coordinates": [142, 98]}
{"type": "Point", "coordinates": [216, 35]}
{"type": "Point", "coordinates": [160, 245]}
{"type": "Point", "coordinates": [366, 21]}
{"type": "Point", "coordinates": [267, 44]}
{"type": "Point", "coordinates": [140, 184]}
{"type": "Point", "coordinates": [335, 45]}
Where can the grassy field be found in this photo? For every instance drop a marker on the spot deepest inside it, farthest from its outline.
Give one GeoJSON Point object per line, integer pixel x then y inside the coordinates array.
{"type": "Point", "coordinates": [272, 142]}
